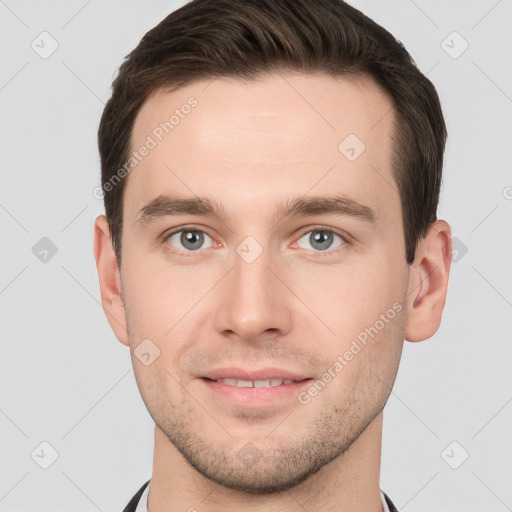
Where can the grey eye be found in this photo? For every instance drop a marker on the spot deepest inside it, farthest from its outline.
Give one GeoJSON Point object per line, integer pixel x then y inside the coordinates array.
{"type": "Point", "coordinates": [321, 239]}
{"type": "Point", "coordinates": [190, 239]}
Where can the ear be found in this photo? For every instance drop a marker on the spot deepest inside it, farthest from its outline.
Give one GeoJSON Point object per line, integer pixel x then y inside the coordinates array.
{"type": "Point", "coordinates": [110, 279]}
{"type": "Point", "coordinates": [428, 282]}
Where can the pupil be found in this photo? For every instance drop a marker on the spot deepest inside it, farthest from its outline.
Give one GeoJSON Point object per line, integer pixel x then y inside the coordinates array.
{"type": "Point", "coordinates": [322, 239]}
{"type": "Point", "coordinates": [192, 239]}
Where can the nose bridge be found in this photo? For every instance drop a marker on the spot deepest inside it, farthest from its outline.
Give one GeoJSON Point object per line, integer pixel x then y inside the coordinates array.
{"type": "Point", "coordinates": [254, 300]}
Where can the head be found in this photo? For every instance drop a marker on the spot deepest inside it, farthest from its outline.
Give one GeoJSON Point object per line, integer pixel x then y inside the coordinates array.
{"type": "Point", "coordinates": [282, 215]}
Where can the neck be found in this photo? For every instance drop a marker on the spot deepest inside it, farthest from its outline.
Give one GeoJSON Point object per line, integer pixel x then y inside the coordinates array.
{"type": "Point", "coordinates": [349, 482]}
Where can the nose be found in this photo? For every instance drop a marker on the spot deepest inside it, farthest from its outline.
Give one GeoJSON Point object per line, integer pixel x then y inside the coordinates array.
{"type": "Point", "coordinates": [254, 304]}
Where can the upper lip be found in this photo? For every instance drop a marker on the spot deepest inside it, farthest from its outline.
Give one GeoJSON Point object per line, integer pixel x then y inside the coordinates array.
{"type": "Point", "coordinates": [263, 374]}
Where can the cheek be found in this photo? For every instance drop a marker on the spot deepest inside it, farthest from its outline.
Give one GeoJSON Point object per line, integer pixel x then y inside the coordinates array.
{"type": "Point", "coordinates": [157, 384]}
{"type": "Point", "coordinates": [372, 355]}
{"type": "Point", "coordinates": [365, 307]}
{"type": "Point", "coordinates": [158, 296]}
{"type": "Point", "coordinates": [353, 297]}
{"type": "Point", "coordinates": [157, 302]}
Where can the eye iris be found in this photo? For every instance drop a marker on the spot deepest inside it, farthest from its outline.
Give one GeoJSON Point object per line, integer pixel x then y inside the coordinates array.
{"type": "Point", "coordinates": [192, 239]}
{"type": "Point", "coordinates": [323, 238]}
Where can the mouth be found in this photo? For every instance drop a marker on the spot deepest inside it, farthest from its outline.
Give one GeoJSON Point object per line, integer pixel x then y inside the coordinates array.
{"type": "Point", "coordinates": [254, 393]}
{"type": "Point", "coordinates": [265, 383]}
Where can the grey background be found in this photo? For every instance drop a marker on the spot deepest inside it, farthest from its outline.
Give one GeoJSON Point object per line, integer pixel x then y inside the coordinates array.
{"type": "Point", "coordinates": [67, 381]}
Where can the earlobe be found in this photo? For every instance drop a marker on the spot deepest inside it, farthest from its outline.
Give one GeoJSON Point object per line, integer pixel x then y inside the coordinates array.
{"type": "Point", "coordinates": [428, 282]}
{"type": "Point", "coordinates": [109, 280]}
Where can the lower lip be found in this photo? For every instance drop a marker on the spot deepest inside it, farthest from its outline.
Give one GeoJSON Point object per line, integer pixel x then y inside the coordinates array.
{"type": "Point", "coordinates": [254, 397]}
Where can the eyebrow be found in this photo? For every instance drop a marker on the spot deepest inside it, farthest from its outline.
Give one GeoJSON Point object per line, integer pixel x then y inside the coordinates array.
{"type": "Point", "coordinates": [168, 206]}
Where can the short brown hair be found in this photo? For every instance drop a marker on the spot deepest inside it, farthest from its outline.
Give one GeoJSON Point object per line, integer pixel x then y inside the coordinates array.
{"type": "Point", "coordinates": [247, 38]}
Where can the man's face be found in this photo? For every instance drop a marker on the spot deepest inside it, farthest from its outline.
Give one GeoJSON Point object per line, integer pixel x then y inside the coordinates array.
{"type": "Point", "coordinates": [250, 290]}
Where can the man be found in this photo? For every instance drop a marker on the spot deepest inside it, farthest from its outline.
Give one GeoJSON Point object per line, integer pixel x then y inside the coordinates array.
{"type": "Point", "coordinates": [271, 171]}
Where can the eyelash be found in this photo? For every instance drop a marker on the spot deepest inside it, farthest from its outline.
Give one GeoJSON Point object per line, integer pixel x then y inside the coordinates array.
{"type": "Point", "coordinates": [165, 236]}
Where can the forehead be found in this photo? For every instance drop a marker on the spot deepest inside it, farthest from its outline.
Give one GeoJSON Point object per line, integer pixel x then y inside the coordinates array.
{"type": "Point", "coordinates": [260, 140]}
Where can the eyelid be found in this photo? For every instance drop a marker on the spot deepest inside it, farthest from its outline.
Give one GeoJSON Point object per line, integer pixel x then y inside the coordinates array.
{"type": "Point", "coordinates": [178, 229]}
{"type": "Point", "coordinates": [190, 227]}
{"type": "Point", "coordinates": [319, 227]}
{"type": "Point", "coordinates": [346, 238]}
{"type": "Point", "coordinates": [187, 227]}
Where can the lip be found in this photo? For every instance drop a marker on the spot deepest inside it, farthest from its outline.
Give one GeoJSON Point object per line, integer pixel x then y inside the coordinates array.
{"type": "Point", "coordinates": [254, 397]}
{"type": "Point", "coordinates": [262, 374]}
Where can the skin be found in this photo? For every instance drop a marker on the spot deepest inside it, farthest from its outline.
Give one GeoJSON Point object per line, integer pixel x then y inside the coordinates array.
{"type": "Point", "coordinates": [250, 146]}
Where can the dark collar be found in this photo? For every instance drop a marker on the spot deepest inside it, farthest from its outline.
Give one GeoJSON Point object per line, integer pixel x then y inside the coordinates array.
{"type": "Point", "coordinates": [132, 506]}
{"type": "Point", "coordinates": [391, 505]}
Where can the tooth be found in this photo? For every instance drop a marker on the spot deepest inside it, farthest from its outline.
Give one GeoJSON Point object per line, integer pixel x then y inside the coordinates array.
{"type": "Point", "coordinates": [262, 383]}
{"type": "Point", "coordinates": [244, 383]}
{"type": "Point", "coordinates": [256, 383]}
